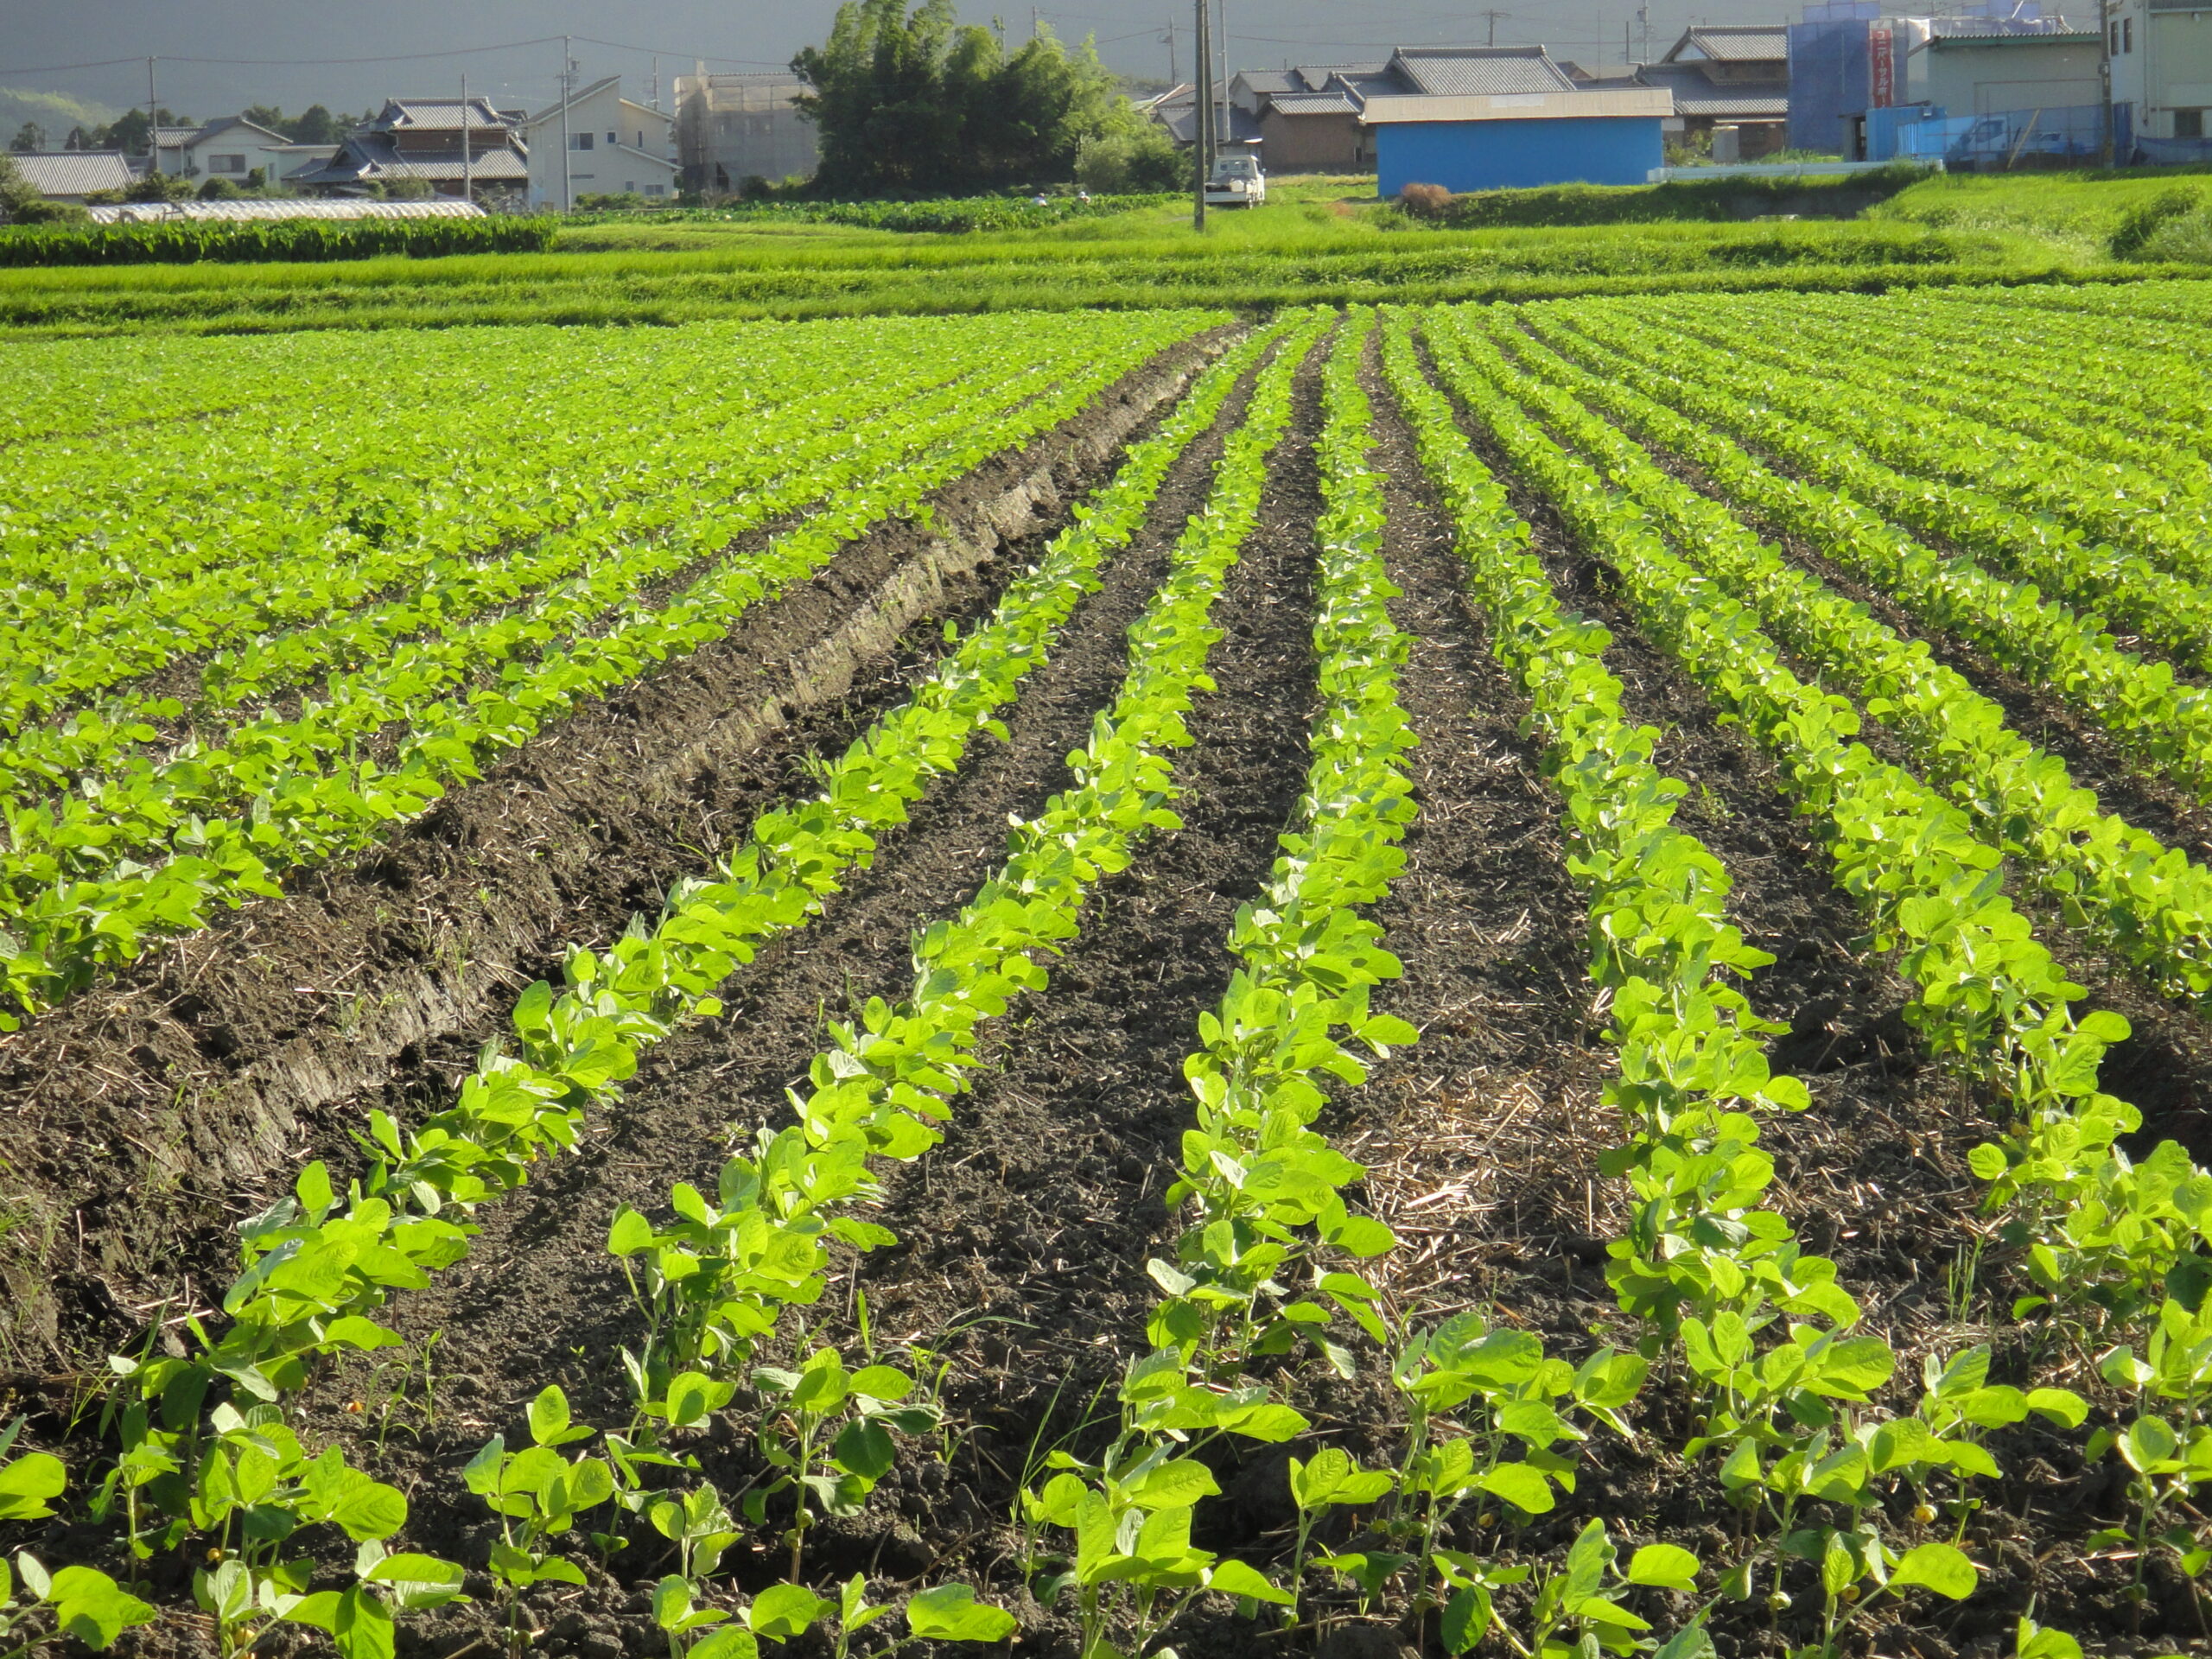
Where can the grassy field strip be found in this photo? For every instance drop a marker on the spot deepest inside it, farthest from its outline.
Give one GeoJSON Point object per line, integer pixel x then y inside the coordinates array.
{"type": "Point", "coordinates": [305, 808]}
{"type": "Point", "coordinates": [2147, 901]}
{"type": "Point", "coordinates": [628, 550]}
{"type": "Point", "coordinates": [405, 1216]}
{"type": "Point", "coordinates": [2134, 510]}
{"type": "Point", "coordinates": [2163, 609]}
{"type": "Point", "coordinates": [2163, 723]}
{"type": "Point", "coordinates": [62, 644]}
{"type": "Point", "coordinates": [1957, 375]}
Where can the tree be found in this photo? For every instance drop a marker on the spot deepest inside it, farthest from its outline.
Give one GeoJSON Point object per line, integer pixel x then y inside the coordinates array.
{"type": "Point", "coordinates": [915, 102]}
{"type": "Point", "coordinates": [30, 139]}
{"type": "Point", "coordinates": [1128, 163]}
{"type": "Point", "coordinates": [313, 125]}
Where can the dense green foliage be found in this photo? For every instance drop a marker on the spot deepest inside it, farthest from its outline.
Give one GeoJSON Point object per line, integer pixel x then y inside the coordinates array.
{"type": "Point", "coordinates": [949, 215]}
{"type": "Point", "coordinates": [258, 241]}
{"type": "Point", "coordinates": [915, 102]}
{"type": "Point", "coordinates": [1691, 200]}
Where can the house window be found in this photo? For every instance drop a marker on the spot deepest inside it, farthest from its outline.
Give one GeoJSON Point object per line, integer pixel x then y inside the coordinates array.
{"type": "Point", "coordinates": [580, 141]}
{"type": "Point", "coordinates": [612, 139]}
{"type": "Point", "coordinates": [2127, 35]}
{"type": "Point", "coordinates": [2188, 124]}
{"type": "Point", "coordinates": [2114, 47]}
{"type": "Point", "coordinates": [226, 164]}
{"type": "Point", "coordinates": [630, 185]}
{"type": "Point", "coordinates": [656, 190]}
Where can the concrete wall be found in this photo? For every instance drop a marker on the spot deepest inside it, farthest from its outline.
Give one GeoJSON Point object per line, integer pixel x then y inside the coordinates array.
{"type": "Point", "coordinates": [2019, 72]}
{"type": "Point", "coordinates": [1514, 155]}
{"type": "Point", "coordinates": [2171, 67]}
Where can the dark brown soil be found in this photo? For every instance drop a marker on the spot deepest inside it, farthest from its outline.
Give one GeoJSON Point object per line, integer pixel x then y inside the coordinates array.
{"type": "Point", "coordinates": [2166, 1067]}
{"type": "Point", "coordinates": [1873, 1175]}
{"type": "Point", "coordinates": [151, 1110]}
{"type": "Point", "coordinates": [1020, 1269]}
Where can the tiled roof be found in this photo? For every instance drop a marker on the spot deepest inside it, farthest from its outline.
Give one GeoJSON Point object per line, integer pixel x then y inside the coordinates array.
{"type": "Point", "coordinates": [1474, 72]}
{"type": "Point", "coordinates": [1314, 103]}
{"type": "Point", "coordinates": [1316, 76]}
{"type": "Point", "coordinates": [1183, 125]}
{"type": "Point", "coordinates": [1756, 44]}
{"type": "Point", "coordinates": [75, 171]}
{"type": "Point", "coordinates": [437, 114]}
{"type": "Point", "coordinates": [1271, 80]}
{"type": "Point", "coordinates": [171, 138]}
{"type": "Point", "coordinates": [230, 123]}
{"type": "Point", "coordinates": [1695, 95]}
{"type": "Point", "coordinates": [369, 156]}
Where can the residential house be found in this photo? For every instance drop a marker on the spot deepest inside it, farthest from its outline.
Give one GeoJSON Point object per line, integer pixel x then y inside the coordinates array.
{"type": "Point", "coordinates": [732, 128]}
{"type": "Point", "coordinates": [72, 174]}
{"type": "Point", "coordinates": [422, 138]}
{"type": "Point", "coordinates": [2162, 70]}
{"type": "Point", "coordinates": [1731, 87]}
{"type": "Point", "coordinates": [614, 145]}
{"type": "Point", "coordinates": [1494, 118]}
{"type": "Point", "coordinates": [231, 148]}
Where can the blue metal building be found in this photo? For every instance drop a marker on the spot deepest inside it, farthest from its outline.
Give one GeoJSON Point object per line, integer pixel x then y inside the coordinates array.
{"type": "Point", "coordinates": [1498, 153]}
{"type": "Point", "coordinates": [1488, 118]}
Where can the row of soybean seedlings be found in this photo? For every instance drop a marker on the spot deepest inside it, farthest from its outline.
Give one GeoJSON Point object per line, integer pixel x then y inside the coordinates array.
{"type": "Point", "coordinates": [1264, 1266]}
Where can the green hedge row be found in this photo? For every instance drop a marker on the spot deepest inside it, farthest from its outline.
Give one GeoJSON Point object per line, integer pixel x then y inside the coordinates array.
{"type": "Point", "coordinates": [186, 242]}
{"type": "Point", "coordinates": [1819, 196]}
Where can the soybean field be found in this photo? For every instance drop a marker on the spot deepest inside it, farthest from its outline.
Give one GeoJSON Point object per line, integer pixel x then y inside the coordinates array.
{"type": "Point", "coordinates": [1524, 979]}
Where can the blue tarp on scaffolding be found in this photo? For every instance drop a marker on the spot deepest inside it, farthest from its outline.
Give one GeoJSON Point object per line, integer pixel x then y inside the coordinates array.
{"type": "Point", "coordinates": [2001, 139]}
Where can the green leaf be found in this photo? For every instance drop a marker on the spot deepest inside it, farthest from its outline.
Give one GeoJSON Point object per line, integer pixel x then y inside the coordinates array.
{"type": "Point", "coordinates": [1176, 1485]}
{"type": "Point", "coordinates": [783, 1610]}
{"type": "Point", "coordinates": [91, 1606]}
{"type": "Point", "coordinates": [950, 1612]}
{"type": "Point", "coordinates": [1466, 1617]}
{"type": "Point", "coordinates": [866, 1449]}
{"type": "Point", "coordinates": [1519, 1485]}
{"type": "Point", "coordinates": [549, 1416]}
{"type": "Point", "coordinates": [363, 1626]}
{"type": "Point", "coordinates": [1664, 1565]}
{"type": "Point", "coordinates": [729, 1642]}
{"type": "Point", "coordinates": [26, 1483]}
{"type": "Point", "coordinates": [1234, 1578]}
{"type": "Point", "coordinates": [1938, 1567]}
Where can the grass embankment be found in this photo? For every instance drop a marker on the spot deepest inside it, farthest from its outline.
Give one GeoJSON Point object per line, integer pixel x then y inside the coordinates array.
{"type": "Point", "coordinates": [1317, 241]}
{"type": "Point", "coordinates": [2165, 212]}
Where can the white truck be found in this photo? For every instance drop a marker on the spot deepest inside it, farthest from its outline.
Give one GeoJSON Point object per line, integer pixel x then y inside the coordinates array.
{"type": "Point", "coordinates": [1237, 182]}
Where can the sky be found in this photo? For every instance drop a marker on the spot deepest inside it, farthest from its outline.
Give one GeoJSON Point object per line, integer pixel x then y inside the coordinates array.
{"type": "Point", "coordinates": [216, 56]}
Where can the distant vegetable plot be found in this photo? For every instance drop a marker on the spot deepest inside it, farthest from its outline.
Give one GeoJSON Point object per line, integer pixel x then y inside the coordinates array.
{"type": "Point", "coordinates": [1517, 979]}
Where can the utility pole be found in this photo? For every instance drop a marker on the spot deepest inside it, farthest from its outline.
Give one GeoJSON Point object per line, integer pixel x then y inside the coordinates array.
{"type": "Point", "coordinates": [1493, 14]}
{"type": "Point", "coordinates": [567, 75]}
{"type": "Point", "coordinates": [654, 87]}
{"type": "Point", "coordinates": [2104, 137]}
{"type": "Point", "coordinates": [1173, 79]}
{"type": "Point", "coordinates": [1033, 22]}
{"type": "Point", "coordinates": [153, 122]}
{"type": "Point", "coordinates": [1202, 106]}
{"type": "Point", "coordinates": [467, 160]}
{"type": "Point", "coordinates": [1223, 133]}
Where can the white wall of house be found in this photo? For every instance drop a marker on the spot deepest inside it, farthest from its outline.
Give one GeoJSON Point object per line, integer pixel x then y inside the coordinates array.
{"type": "Point", "coordinates": [616, 144]}
{"type": "Point", "coordinates": [234, 154]}
{"type": "Point", "coordinates": [2161, 64]}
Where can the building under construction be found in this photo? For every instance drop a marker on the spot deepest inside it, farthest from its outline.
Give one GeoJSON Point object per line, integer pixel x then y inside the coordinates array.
{"type": "Point", "coordinates": [732, 128]}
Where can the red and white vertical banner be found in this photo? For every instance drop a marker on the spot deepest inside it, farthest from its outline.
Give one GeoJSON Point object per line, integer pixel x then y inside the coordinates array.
{"type": "Point", "coordinates": [1882, 69]}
